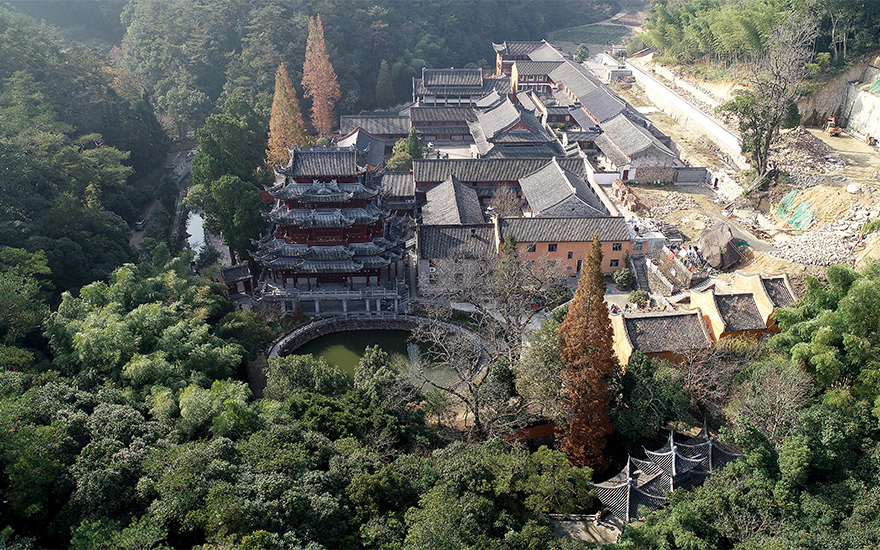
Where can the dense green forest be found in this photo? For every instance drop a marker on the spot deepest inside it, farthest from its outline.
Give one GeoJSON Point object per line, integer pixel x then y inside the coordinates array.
{"type": "Point", "coordinates": [186, 54]}
{"type": "Point", "coordinates": [127, 419]}
{"type": "Point", "coordinates": [73, 133]}
{"type": "Point", "coordinates": [731, 31]}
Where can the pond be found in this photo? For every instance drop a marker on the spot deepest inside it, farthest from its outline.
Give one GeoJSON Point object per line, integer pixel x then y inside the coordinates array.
{"type": "Point", "coordinates": [196, 231]}
{"type": "Point", "coordinates": [345, 349]}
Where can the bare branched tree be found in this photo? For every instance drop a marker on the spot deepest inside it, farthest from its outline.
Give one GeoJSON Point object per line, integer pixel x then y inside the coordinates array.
{"type": "Point", "coordinates": [491, 408]}
{"type": "Point", "coordinates": [508, 293]}
{"type": "Point", "coordinates": [772, 399]}
{"type": "Point", "coordinates": [778, 72]}
{"type": "Point", "coordinates": [505, 203]}
{"type": "Point", "coordinates": [709, 374]}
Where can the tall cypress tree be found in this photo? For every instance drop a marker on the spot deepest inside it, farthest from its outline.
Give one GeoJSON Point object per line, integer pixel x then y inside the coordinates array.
{"type": "Point", "coordinates": [319, 79]}
{"type": "Point", "coordinates": [413, 149]}
{"type": "Point", "coordinates": [384, 85]}
{"type": "Point", "coordinates": [585, 339]}
{"type": "Point", "coordinates": [286, 127]}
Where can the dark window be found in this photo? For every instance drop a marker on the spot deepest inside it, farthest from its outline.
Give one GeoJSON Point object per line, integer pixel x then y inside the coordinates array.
{"type": "Point", "coordinates": [530, 247]}
{"type": "Point", "coordinates": [617, 246]}
{"type": "Point", "coordinates": [580, 265]}
{"type": "Point", "coordinates": [639, 245]}
{"type": "Point", "coordinates": [615, 263]}
{"type": "Point", "coordinates": [570, 254]}
{"type": "Point", "coordinates": [551, 247]}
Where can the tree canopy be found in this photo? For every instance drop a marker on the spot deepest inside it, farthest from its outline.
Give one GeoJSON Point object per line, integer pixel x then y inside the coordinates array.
{"type": "Point", "coordinates": [319, 79]}
{"type": "Point", "coordinates": [585, 348]}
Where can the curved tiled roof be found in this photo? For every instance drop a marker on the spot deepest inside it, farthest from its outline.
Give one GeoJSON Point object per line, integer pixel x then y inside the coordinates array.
{"type": "Point", "coordinates": [529, 230]}
{"type": "Point", "coordinates": [552, 185]}
{"type": "Point", "coordinates": [322, 162]}
{"type": "Point", "coordinates": [666, 331]}
{"type": "Point", "coordinates": [489, 170]}
{"type": "Point", "coordinates": [739, 312]}
{"type": "Point", "coordinates": [452, 202]}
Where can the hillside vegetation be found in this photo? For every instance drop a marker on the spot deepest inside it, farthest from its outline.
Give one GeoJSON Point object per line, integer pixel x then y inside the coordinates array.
{"type": "Point", "coordinates": [727, 32]}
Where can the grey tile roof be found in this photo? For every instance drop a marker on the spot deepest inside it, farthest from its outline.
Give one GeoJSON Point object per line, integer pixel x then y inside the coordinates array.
{"type": "Point", "coordinates": [457, 241]}
{"type": "Point", "coordinates": [452, 77]}
{"type": "Point", "coordinates": [576, 78]}
{"type": "Point", "coordinates": [603, 104]}
{"type": "Point", "coordinates": [484, 87]}
{"type": "Point", "coordinates": [621, 136]}
{"type": "Point", "coordinates": [666, 331]}
{"type": "Point", "coordinates": [581, 136]}
{"type": "Point", "coordinates": [528, 150]}
{"type": "Point", "coordinates": [583, 119]}
{"type": "Point", "coordinates": [365, 143]}
{"type": "Point", "coordinates": [384, 124]}
{"type": "Point", "coordinates": [778, 291]}
{"type": "Point", "coordinates": [322, 162]}
{"type": "Point", "coordinates": [452, 202]}
{"type": "Point", "coordinates": [536, 67]}
{"type": "Point", "coordinates": [488, 170]}
{"type": "Point", "coordinates": [610, 228]}
{"type": "Point", "coordinates": [507, 123]}
{"type": "Point", "coordinates": [518, 47]}
{"type": "Point", "coordinates": [463, 131]}
{"type": "Point", "coordinates": [611, 150]}
{"type": "Point", "coordinates": [552, 185]}
{"type": "Point", "coordinates": [526, 101]}
{"type": "Point", "coordinates": [399, 184]}
{"type": "Point", "coordinates": [235, 273]}
{"type": "Point", "coordinates": [545, 52]}
{"type": "Point", "coordinates": [445, 114]}
{"type": "Point", "coordinates": [493, 98]}
{"type": "Point", "coordinates": [739, 312]}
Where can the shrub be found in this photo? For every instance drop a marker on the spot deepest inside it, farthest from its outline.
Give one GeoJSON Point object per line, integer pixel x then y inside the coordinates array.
{"type": "Point", "coordinates": [624, 277]}
{"type": "Point", "coordinates": [640, 298]}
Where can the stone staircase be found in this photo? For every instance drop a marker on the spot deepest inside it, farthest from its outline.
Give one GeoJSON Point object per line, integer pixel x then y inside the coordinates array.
{"type": "Point", "coordinates": [641, 272]}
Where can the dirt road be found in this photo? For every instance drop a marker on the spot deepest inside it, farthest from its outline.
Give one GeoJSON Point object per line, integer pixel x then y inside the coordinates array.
{"type": "Point", "coordinates": [863, 161]}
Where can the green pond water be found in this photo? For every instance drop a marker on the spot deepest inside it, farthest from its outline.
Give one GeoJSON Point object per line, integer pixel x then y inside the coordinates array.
{"type": "Point", "coordinates": [345, 349]}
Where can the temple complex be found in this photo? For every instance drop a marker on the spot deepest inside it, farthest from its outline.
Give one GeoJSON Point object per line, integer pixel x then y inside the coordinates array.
{"type": "Point", "coordinates": [332, 243]}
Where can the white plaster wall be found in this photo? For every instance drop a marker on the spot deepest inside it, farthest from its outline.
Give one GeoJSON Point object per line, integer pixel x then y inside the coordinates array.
{"type": "Point", "coordinates": [686, 114]}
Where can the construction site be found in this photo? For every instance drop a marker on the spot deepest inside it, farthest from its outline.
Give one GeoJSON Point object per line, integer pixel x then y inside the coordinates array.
{"type": "Point", "coordinates": [811, 217]}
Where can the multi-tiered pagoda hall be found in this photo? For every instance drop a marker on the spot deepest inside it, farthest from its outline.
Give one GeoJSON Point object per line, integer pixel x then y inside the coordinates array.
{"type": "Point", "coordinates": [332, 247]}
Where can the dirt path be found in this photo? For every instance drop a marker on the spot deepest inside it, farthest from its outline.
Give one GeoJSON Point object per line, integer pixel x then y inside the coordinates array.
{"type": "Point", "coordinates": [631, 15]}
{"type": "Point", "coordinates": [863, 161]}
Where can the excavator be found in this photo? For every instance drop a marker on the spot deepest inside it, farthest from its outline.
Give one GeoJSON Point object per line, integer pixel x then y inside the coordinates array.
{"type": "Point", "coordinates": [832, 128]}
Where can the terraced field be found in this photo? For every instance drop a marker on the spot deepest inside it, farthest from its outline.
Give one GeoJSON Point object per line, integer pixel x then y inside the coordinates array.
{"type": "Point", "coordinates": [591, 34]}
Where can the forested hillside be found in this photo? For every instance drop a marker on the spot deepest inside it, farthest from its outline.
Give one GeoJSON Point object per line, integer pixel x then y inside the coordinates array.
{"type": "Point", "coordinates": [728, 31]}
{"type": "Point", "coordinates": [73, 133]}
{"type": "Point", "coordinates": [186, 53]}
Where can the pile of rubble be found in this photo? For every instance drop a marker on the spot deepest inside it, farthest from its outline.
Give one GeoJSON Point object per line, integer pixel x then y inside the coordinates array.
{"type": "Point", "coordinates": [674, 201]}
{"type": "Point", "coordinates": [625, 195]}
{"type": "Point", "coordinates": [808, 160]}
{"type": "Point", "coordinates": [832, 243]}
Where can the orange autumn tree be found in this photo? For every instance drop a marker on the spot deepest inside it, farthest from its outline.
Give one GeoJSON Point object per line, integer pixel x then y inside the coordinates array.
{"type": "Point", "coordinates": [319, 79]}
{"type": "Point", "coordinates": [585, 339]}
{"type": "Point", "coordinates": [286, 127]}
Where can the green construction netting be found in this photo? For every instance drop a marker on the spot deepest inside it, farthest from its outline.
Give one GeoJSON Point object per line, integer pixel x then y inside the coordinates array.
{"type": "Point", "coordinates": [875, 87]}
{"type": "Point", "coordinates": [800, 217]}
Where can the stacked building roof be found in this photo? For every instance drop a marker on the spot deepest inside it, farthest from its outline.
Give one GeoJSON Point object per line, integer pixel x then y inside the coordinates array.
{"type": "Point", "coordinates": [645, 484]}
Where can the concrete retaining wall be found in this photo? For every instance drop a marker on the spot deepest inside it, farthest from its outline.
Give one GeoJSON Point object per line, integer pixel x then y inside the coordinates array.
{"type": "Point", "coordinates": [832, 99]}
{"type": "Point", "coordinates": [699, 93]}
{"type": "Point", "coordinates": [686, 114]}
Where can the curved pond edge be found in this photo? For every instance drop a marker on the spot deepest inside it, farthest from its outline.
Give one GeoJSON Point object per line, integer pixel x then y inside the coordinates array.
{"type": "Point", "coordinates": [341, 323]}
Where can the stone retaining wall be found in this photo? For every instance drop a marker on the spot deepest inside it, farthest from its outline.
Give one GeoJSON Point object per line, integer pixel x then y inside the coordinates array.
{"type": "Point", "coordinates": [297, 338]}
{"type": "Point", "coordinates": [687, 115]}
